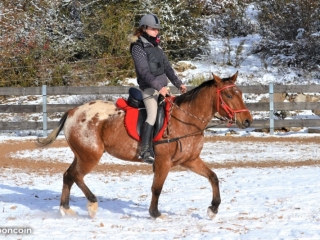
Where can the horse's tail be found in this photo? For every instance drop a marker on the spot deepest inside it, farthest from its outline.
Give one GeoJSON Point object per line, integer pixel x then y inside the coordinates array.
{"type": "Point", "coordinates": [54, 134]}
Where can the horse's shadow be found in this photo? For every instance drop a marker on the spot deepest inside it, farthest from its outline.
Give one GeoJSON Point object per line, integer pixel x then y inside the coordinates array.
{"type": "Point", "coordinates": [48, 201]}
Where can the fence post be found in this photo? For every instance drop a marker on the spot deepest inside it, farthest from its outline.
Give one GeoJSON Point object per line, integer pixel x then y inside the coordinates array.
{"type": "Point", "coordinates": [44, 110]}
{"type": "Point", "coordinates": [271, 111]}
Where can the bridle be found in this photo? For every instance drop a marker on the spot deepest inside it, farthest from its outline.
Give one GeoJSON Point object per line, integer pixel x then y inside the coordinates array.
{"type": "Point", "coordinates": [230, 112]}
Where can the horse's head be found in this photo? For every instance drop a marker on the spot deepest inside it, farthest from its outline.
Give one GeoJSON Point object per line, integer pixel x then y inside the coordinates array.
{"type": "Point", "coordinates": [230, 103]}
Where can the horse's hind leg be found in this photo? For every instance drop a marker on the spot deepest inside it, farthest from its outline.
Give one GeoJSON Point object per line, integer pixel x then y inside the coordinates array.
{"type": "Point", "coordinates": [199, 167]}
{"type": "Point", "coordinates": [68, 181]}
{"type": "Point", "coordinates": [76, 173]}
{"type": "Point", "coordinates": [92, 205]}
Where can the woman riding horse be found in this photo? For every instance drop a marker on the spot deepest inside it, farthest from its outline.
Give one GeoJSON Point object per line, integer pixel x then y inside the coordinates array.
{"type": "Point", "coordinates": [152, 69]}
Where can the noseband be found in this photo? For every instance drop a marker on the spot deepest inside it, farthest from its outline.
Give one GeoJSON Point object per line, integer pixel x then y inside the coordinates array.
{"type": "Point", "coordinates": [230, 112]}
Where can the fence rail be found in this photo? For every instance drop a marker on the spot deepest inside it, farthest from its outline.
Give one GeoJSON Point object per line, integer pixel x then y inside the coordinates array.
{"type": "Point", "coordinates": [51, 108]}
{"type": "Point", "coordinates": [257, 89]}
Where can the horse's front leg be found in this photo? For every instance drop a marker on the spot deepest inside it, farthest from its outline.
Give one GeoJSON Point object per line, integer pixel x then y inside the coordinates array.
{"type": "Point", "coordinates": [161, 170]}
{"type": "Point", "coordinates": [199, 167]}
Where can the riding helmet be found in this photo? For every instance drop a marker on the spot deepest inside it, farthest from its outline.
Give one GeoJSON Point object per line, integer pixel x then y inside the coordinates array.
{"type": "Point", "coordinates": [150, 20]}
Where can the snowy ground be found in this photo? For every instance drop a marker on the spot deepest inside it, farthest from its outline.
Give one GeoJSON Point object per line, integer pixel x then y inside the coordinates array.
{"type": "Point", "coordinates": [257, 203]}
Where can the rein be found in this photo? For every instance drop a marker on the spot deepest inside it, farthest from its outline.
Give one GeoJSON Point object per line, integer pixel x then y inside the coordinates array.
{"type": "Point", "coordinates": [230, 112]}
{"type": "Point", "coordinates": [177, 139]}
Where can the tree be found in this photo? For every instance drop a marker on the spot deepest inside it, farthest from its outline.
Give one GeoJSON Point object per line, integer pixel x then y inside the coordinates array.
{"type": "Point", "coordinates": [229, 18]}
{"type": "Point", "coordinates": [290, 31]}
{"type": "Point", "coordinates": [183, 35]}
{"type": "Point", "coordinates": [85, 41]}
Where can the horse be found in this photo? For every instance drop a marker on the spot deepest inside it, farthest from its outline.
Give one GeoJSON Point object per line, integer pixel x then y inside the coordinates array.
{"type": "Point", "coordinates": [98, 126]}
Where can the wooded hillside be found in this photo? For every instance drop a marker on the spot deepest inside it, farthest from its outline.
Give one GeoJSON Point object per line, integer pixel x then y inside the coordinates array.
{"type": "Point", "coordinates": [64, 42]}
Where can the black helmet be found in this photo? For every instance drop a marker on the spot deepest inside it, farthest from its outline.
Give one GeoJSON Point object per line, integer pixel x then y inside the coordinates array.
{"type": "Point", "coordinates": [150, 20]}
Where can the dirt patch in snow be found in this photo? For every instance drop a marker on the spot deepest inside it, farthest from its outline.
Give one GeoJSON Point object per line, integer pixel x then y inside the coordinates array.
{"type": "Point", "coordinates": [45, 167]}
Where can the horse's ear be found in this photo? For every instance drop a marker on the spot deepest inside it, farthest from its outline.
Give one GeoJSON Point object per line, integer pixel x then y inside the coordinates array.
{"type": "Point", "coordinates": [234, 77]}
{"type": "Point", "coordinates": [216, 78]}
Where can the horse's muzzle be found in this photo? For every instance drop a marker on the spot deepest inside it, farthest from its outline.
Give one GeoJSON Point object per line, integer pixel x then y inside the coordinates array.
{"type": "Point", "coordinates": [244, 124]}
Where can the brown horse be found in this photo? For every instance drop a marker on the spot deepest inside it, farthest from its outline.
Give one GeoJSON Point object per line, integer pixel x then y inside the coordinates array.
{"type": "Point", "coordinates": [98, 126]}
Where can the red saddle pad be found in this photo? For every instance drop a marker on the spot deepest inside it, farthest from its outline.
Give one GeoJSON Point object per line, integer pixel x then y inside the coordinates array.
{"type": "Point", "coordinates": [131, 118]}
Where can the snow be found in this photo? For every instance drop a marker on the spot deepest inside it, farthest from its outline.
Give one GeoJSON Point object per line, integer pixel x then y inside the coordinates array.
{"type": "Point", "coordinates": [257, 203]}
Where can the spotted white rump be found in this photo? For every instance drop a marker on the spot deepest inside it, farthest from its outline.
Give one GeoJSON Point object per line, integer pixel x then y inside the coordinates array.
{"type": "Point", "coordinates": [84, 118]}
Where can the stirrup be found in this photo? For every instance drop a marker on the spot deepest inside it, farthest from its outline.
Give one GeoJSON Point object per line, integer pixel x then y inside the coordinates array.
{"type": "Point", "coordinates": [147, 157]}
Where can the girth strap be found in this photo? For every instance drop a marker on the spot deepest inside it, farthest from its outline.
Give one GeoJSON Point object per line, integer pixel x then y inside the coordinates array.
{"type": "Point", "coordinates": [177, 139]}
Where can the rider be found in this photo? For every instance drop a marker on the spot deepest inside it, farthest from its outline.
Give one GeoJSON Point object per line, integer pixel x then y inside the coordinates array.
{"type": "Point", "coordinates": [153, 71]}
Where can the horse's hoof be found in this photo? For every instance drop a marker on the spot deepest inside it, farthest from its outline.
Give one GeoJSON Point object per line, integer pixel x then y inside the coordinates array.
{"type": "Point", "coordinates": [159, 218]}
{"type": "Point", "coordinates": [162, 216]}
{"type": "Point", "coordinates": [210, 213]}
{"type": "Point", "coordinates": [92, 209]}
{"type": "Point", "coordinates": [154, 214]}
{"type": "Point", "coordinates": [67, 212]}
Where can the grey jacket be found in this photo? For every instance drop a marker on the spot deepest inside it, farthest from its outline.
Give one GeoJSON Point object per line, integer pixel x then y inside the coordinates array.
{"type": "Point", "coordinates": [141, 62]}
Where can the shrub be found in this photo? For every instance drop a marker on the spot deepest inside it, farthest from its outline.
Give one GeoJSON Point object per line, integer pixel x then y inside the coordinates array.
{"type": "Point", "coordinates": [229, 18]}
{"type": "Point", "coordinates": [290, 31]}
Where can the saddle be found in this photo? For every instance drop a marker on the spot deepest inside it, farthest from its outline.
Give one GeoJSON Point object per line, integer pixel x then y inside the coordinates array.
{"type": "Point", "coordinates": [136, 114]}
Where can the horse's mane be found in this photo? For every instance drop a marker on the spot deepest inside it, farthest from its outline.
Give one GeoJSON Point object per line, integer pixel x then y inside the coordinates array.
{"type": "Point", "coordinates": [192, 94]}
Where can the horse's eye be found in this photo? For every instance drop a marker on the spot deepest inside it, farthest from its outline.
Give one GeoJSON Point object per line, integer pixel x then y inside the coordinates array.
{"type": "Point", "coordinates": [229, 96]}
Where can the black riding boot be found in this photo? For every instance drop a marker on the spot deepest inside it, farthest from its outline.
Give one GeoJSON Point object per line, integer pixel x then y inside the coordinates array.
{"type": "Point", "coordinates": [146, 152]}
